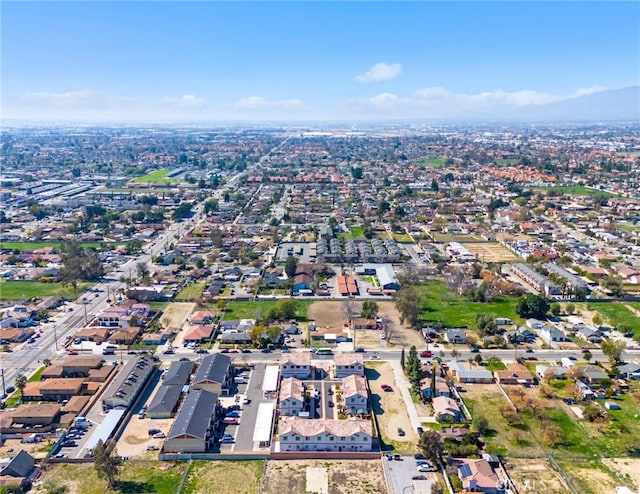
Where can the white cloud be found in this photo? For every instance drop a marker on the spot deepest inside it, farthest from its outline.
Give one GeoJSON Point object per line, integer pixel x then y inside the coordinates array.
{"type": "Point", "coordinates": [587, 90]}
{"type": "Point", "coordinates": [80, 97]}
{"type": "Point", "coordinates": [259, 103]}
{"type": "Point", "coordinates": [380, 72]}
{"type": "Point", "coordinates": [185, 101]}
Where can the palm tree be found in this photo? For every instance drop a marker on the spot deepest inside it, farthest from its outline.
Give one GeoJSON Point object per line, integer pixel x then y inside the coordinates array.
{"type": "Point", "coordinates": [21, 383]}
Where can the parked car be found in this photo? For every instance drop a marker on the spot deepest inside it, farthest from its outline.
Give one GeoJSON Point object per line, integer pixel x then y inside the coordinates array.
{"type": "Point", "coordinates": [246, 350]}
{"type": "Point", "coordinates": [419, 456]}
{"type": "Point", "coordinates": [10, 389]}
{"type": "Point", "coordinates": [420, 431]}
{"type": "Point", "coordinates": [386, 387]}
{"type": "Point", "coordinates": [374, 357]}
{"type": "Point", "coordinates": [475, 349]}
{"type": "Point", "coordinates": [401, 431]}
{"type": "Point", "coordinates": [233, 413]}
{"type": "Point", "coordinates": [159, 435]}
{"type": "Point", "coordinates": [426, 354]}
{"type": "Point", "coordinates": [331, 404]}
{"type": "Point", "coordinates": [360, 350]}
{"type": "Point", "coordinates": [154, 431]}
{"type": "Point", "coordinates": [152, 447]}
{"type": "Point", "coordinates": [69, 444]}
{"type": "Point", "coordinates": [425, 467]}
{"type": "Point", "coordinates": [227, 438]}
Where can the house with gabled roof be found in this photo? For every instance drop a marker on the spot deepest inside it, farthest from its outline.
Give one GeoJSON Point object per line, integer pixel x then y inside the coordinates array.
{"type": "Point", "coordinates": [191, 431]}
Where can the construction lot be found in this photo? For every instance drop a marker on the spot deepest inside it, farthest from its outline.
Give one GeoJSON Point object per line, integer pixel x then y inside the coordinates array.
{"type": "Point", "coordinates": [491, 252]}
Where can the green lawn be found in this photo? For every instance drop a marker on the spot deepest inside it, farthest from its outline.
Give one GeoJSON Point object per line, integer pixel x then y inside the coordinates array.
{"type": "Point", "coordinates": [224, 477]}
{"type": "Point", "coordinates": [356, 231]}
{"type": "Point", "coordinates": [439, 304]}
{"type": "Point", "coordinates": [506, 161]}
{"type": "Point", "coordinates": [618, 314]}
{"type": "Point", "coordinates": [19, 290]}
{"type": "Point", "coordinates": [252, 309]}
{"type": "Point", "coordinates": [620, 436]}
{"type": "Point", "coordinates": [31, 246]}
{"type": "Point", "coordinates": [191, 292]}
{"type": "Point", "coordinates": [37, 374]}
{"type": "Point", "coordinates": [136, 476]}
{"type": "Point", "coordinates": [433, 162]}
{"type": "Point", "coordinates": [576, 190]}
{"type": "Point", "coordinates": [155, 177]}
{"type": "Point", "coordinates": [402, 238]}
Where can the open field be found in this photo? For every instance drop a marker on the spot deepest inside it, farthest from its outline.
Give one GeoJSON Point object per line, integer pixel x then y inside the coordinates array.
{"type": "Point", "coordinates": [390, 409]}
{"type": "Point", "coordinates": [491, 252]}
{"type": "Point", "coordinates": [575, 190]}
{"type": "Point", "coordinates": [31, 246]}
{"type": "Point", "coordinates": [175, 314]}
{"type": "Point", "coordinates": [155, 177]}
{"type": "Point", "coordinates": [445, 237]}
{"type": "Point", "coordinates": [439, 304]}
{"type": "Point", "coordinates": [223, 477]}
{"type": "Point", "coordinates": [506, 161]}
{"type": "Point", "coordinates": [345, 476]}
{"type": "Point", "coordinates": [618, 313]}
{"type": "Point", "coordinates": [135, 438]}
{"type": "Point", "coordinates": [22, 290]}
{"type": "Point", "coordinates": [329, 314]}
{"type": "Point", "coordinates": [356, 231]}
{"type": "Point", "coordinates": [590, 477]}
{"type": "Point", "coordinates": [537, 474]}
{"type": "Point", "coordinates": [433, 162]}
{"type": "Point", "coordinates": [135, 476]}
{"type": "Point", "coordinates": [191, 292]}
{"type": "Point", "coordinates": [626, 468]}
{"type": "Point", "coordinates": [253, 309]}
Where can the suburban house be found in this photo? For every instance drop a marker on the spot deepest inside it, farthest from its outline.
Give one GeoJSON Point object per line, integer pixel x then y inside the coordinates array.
{"type": "Point", "coordinates": [629, 371]}
{"type": "Point", "coordinates": [202, 317]}
{"type": "Point", "coordinates": [291, 398]}
{"type": "Point", "coordinates": [363, 323]}
{"type": "Point", "coordinates": [558, 371]}
{"type": "Point", "coordinates": [594, 375]}
{"type": "Point", "coordinates": [198, 333]}
{"type": "Point", "coordinates": [299, 434]}
{"type": "Point", "coordinates": [17, 470]}
{"type": "Point", "coordinates": [446, 409]}
{"type": "Point", "coordinates": [461, 374]}
{"type": "Point", "coordinates": [191, 431]}
{"type": "Point", "coordinates": [178, 374]}
{"type": "Point", "coordinates": [590, 334]}
{"type": "Point", "coordinates": [515, 373]}
{"type": "Point", "coordinates": [442, 388]}
{"type": "Point", "coordinates": [479, 476]}
{"type": "Point", "coordinates": [53, 389]}
{"type": "Point", "coordinates": [355, 395]}
{"type": "Point", "coordinates": [296, 365]}
{"type": "Point", "coordinates": [550, 334]}
{"type": "Point", "coordinates": [456, 336]}
{"type": "Point", "coordinates": [215, 375]}
{"type": "Point", "coordinates": [347, 364]}
{"type": "Point", "coordinates": [15, 335]}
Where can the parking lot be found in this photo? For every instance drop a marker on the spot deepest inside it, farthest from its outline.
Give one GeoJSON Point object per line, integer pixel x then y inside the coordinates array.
{"type": "Point", "coordinates": [402, 472]}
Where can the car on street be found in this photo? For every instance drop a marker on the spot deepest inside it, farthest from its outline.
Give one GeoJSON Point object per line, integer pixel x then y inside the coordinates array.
{"type": "Point", "coordinates": [246, 350]}
{"type": "Point", "coordinates": [227, 438]}
{"type": "Point", "coordinates": [426, 354]}
{"type": "Point", "coordinates": [330, 404]}
{"type": "Point", "coordinates": [374, 357]}
{"type": "Point", "coordinates": [360, 350]}
{"type": "Point", "coordinates": [529, 350]}
{"type": "Point", "coordinates": [475, 349]}
{"type": "Point", "coordinates": [10, 389]}
{"type": "Point", "coordinates": [233, 413]}
{"type": "Point", "coordinates": [266, 350]}
{"type": "Point", "coordinates": [202, 350]}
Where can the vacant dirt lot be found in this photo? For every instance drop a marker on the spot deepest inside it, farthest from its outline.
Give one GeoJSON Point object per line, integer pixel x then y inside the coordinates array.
{"type": "Point", "coordinates": [627, 468]}
{"type": "Point", "coordinates": [135, 439]}
{"type": "Point", "coordinates": [491, 252]}
{"type": "Point", "coordinates": [535, 476]}
{"type": "Point", "coordinates": [390, 408]}
{"type": "Point", "coordinates": [330, 313]}
{"type": "Point", "coordinates": [175, 315]}
{"type": "Point", "coordinates": [345, 476]}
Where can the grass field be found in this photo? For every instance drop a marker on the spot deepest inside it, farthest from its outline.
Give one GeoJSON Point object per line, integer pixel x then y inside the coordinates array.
{"type": "Point", "coordinates": [31, 246]}
{"type": "Point", "coordinates": [433, 162]}
{"type": "Point", "coordinates": [616, 313]}
{"type": "Point", "coordinates": [155, 177]}
{"type": "Point", "coordinates": [251, 309]}
{"type": "Point", "coordinates": [224, 477]}
{"type": "Point", "coordinates": [576, 190]}
{"type": "Point", "coordinates": [506, 161]}
{"type": "Point", "coordinates": [135, 476]}
{"type": "Point", "coordinates": [443, 237]}
{"type": "Point", "coordinates": [439, 304]}
{"type": "Point", "coordinates": [20, 290]}
{"type": "Point", "coordinates": [191, 292]}
{"type": "Point", "coordinates": [356, 231]}
{"type": "Point", "coordinates": [402, 238]}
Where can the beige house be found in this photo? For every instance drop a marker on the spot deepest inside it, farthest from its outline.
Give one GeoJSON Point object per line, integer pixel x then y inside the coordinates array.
{"type": "Point", "coordinates": [347, 364]}
{"type": "Point", "coordinates": [355, 395]}
{"type": "Point", "coordinates": [296, 365]}
{"type": "Point", "coordinates": [291, 397]}
{"type": "Point", "coordinates": [299, 434]}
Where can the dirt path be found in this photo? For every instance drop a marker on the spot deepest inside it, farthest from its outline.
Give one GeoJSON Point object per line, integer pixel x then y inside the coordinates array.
{"type": "Point", "coordinates": [175, 314]}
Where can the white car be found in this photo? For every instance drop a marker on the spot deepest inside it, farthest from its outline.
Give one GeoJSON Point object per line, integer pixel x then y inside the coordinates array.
{"type": "Point", "coordinates": [425, 467]}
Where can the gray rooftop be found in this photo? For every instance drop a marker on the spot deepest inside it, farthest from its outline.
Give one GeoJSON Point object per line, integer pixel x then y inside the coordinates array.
{"type": "Point", "coordinates": [214, 368]}
{"type": "Point", "coordinates": [166, 399]}
{"type": "Point", "coordinates": [179, 373]}
{"type": "Point", "coordinates": [194, 416]}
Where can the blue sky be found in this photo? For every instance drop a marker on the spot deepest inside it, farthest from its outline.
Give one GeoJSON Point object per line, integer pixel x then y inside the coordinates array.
{"type": "Point", "coordinates": [308, 60]}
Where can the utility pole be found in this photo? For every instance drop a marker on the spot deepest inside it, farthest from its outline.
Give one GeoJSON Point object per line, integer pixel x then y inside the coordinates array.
{"type": "Point", "coordinates": [55, 336]}
{"type": "Point", "coordinates": [4, 389]}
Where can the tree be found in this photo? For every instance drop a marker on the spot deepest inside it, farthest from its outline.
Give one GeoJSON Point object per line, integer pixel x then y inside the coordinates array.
{"type": "Point", "coordinates": [587, 356]}
{"type": "Point", "coordinates": [455, 354]}
{"type": "Point", "coordinates": [21, 382]}
{"type": "Point", "coordinates": [613, 349]}
{"type": "Point", "coordinates": [78, 264]}
{"type": "Point", "coordinates": [574, 373]}
{"type": "Point", "coordinates": [551, 435]}
{"type": "Point", "coordinates": [486, 324]}
{"type": "Point", "coordinates": [549, 374]}
{"type": "Point", "coordinates": [46, 362]}
{"type": "Point", "coordinates": [478, 359]}
{"type": "Point", "coordinates": [431, 446]}
{"type": "Point", "coordinates": [369, 309]}
{"type": "Point", "coordinates": [481, 424]}
{"type": "Point", "coordinates": [597, 319]}
{"type": "Point", "coordinates": [291, 266]}
{"type": "Point", "coordinates": [555, 309]}
{"type": "Point", "coordinates": [570, 308]}
{"type": "Point", "coordinates": [106, 461]}
{"type": "Point", "coordinates": [532, 306]}
{"type": "Point", "coordinates": [143, 270]}
{"type": "Point", "coordinates": [412, 369]}
{"type": "Point", "coordinates": [402, 359]}
{"type": "Point", "coordinates": [211, 206]}
{"type": "Point", "coordinates": [407, 303]}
